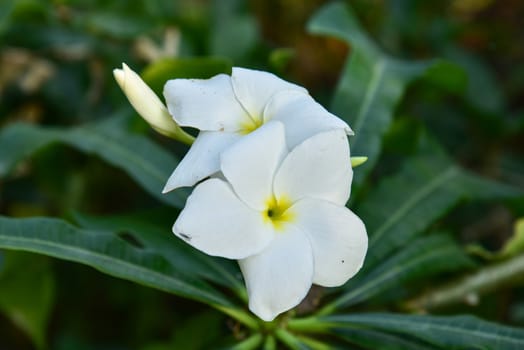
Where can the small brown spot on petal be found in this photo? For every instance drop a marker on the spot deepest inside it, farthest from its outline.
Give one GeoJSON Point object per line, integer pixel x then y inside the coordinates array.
{"type": "Point", "coordinates": [184, 236]}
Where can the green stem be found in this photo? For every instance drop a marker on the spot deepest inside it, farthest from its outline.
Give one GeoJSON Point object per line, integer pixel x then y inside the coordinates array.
{"type": "Point", "coordinates": [485, 280]}
{"type": "Point", "coordinates": [241, 292]}
{"type": "Point", "coordinates": [308, 325]}
{"type": "Point", "coordinates": [314, 344]}
{"type": "Point", "coordinates": [328, 309]}
{"type": "Point", "coordinates": [183, 136]}
{"type": "Point", "coordinates": [287, 338]}
{"type": "Point", "coordinates": [250, 343]}
{"type": "Point", "coordinates": [239, 315]}
{"type": "Point", "coordinates": [270, 343]}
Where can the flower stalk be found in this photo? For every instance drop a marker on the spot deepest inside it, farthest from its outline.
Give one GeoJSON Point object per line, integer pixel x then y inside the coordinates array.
{"type": "Point", "coordinates": [485, 280]}
{"type": "Point", "coordinates": [308, 325]}
{"type": "Point", "coordinates": [270, 343]}
{"type": "Point", "coordinates": [240, 316]}
{"type": "Point", "coordinates": [252, 342]}
{"type": "Point", "coordinates": [287, 338]}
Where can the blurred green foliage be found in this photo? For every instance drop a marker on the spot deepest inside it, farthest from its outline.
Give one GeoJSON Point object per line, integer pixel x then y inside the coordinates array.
{"type": "Point", "coordinates": [433, 89]}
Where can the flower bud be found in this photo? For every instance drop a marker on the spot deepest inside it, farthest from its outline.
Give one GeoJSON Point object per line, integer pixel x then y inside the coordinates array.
{"type": "Point", "coordinates": [356, 161]}
{"type": "Point", "coordinates": [145, 101]}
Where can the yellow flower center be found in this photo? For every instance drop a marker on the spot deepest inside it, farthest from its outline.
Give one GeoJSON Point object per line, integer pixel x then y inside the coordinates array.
{"type": "Point", "coordinates": [250, 124]}
{"type": "Point", "coordinates": [277, 212]}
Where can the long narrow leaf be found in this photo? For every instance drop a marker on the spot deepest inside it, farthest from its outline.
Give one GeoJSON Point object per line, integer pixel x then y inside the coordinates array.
{"type": "Point", "coordinates": [455, 332]}
{"type": "Point", "coordinates": [404, 205]}
{"type": "Point", "coordinates": [105, 252]}
{"type": "Point", "coordinates": [372, 339]}
{"type": "Point", "coordinates": [143, 160]}
{"type": "Point", "coordinates": [371, 85]}
{"type": "Point", "coordinates": [424, 257]}
{"type": "Point", "coordinates": [22, 275]}
{"type": "Point", "coordinates": [152, 230]}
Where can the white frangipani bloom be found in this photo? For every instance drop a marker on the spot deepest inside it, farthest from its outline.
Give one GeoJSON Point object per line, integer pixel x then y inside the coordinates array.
{"type": "Point", "coordinates": [281, 213]}
{"type": "Point", "coordinates": [226, 108]}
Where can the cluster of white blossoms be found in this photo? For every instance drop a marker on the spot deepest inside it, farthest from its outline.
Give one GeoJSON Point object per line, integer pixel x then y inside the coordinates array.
{"type": "Point", "coordinates": [273, 174]}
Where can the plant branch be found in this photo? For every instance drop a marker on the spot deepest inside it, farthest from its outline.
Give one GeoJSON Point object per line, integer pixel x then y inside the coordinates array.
{"type": "Point", "coordinates": [287, 338]}
{"type": "Point", "coordinates": [240, 316]}
{"type": "Point", "coordinates": [308, 325]}
{"type": "Point", "coordinates": [485, 280]}
{"type": "Point", "coordinates": [250, 343]}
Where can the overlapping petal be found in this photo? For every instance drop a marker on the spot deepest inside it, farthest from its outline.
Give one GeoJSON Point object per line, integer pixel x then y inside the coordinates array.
{"type": "Point", "coordinates": [202, 159]}
{"type": "Point", "coordinates": [302, 116]}
{"type": "Point", "coordinates": [205, 104]}
{"type": "Point", "coordinates": [254, 89]}
{"type": "Point", "coordinates": [281, 213]}
{"type": "Point", "coordinates": [280, 276]}
{"type": "Point", "coordinates": [317, 168]}
{"type": "Point", "coordinates": [338, 238]}
{"type": "Point", "coordinates": [216, 222]}
{"type": "Point", "coordinates": [250, 164]}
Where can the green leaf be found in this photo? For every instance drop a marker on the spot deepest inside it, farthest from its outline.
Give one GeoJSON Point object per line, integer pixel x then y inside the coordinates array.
{"type": "Point", "coordinates": [280, 58]}
{"type": "Point", "coordinates": [448, 76]}
{"type": "Point", "coordinates": [405, 204]}
{"type": "Point", "coordinates": [21, 276]}
{"type": "Point", "coordinates": [234, 33]}
{"type": "Point", "coordinates": [372, 339]}
{"type": "Point", "coordinates": [371, 85]}
{"type": "Point", "coordinates": [483, 91]}
{"type": "Point", "coordinates": [455, 332]}
{"type": "Point", "coordinates": [152, 231]}
{"type": "Point", "coordinates": [140, 158]}
{"type": "Point", "coordinates": [200, 331]}
{"type": "Point", "coordinates": [157, 74]}
{"type": "Point", "coordinates": [117, 25]}
{"type": "Point", "coordinates": [290, 340]}
{"type": "Point", "coordinates": [251, 343]}
{"type": "Point", "coordinates": [106, 252]}
{"type": "Point", "coordinates": [424, 257]}
{"type": "Point", "coordinates": [6, 7]}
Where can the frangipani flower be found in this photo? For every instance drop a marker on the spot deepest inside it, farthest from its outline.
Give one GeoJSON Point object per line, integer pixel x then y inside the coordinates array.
{"type": "Point", "coordinates": [226, 108]}
{"type": "Point", "coordinates": [281, 214]}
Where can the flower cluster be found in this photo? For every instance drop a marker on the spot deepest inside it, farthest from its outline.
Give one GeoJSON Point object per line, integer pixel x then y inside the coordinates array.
{"type": "Point", "coordinates": [273, 174]}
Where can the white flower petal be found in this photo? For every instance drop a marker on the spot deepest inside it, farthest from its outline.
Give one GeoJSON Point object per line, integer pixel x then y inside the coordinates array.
{"type": "Point", "coordinates": [280, 276]}
{"type": "Point", "coordinates": [202, 159]}
{"type": "Point", "coordinates": [250, 164]}
{"type": "Point", "coordinates": [144, 100]}
{"type": "Point", "coordinates": [205, 104]}
{"type": "Point", "coordinates": [216, 222]}
{"type": "Point", "coordinates": [338, 238]}
{"type": "Point", "coordinates": [318, 168]}
{"type": "Point", "coordinates": [302, 116]}
{"type": "Point", "coordinates": [254, 88]}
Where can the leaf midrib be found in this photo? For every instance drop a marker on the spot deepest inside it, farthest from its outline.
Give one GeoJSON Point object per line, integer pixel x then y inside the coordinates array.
{"type": "Point", "coordinates": [396, 270]}
{"type": "Point", "coordinates": [424, 191]}
{"type": "Point", "coordinates": [147, 167]}
{"type": "Point", "coordinates": [55, 248]}
{"type": "Point", "coordinates": [378, 72]}
{"type": "Point", "coordinates": [447, 328]}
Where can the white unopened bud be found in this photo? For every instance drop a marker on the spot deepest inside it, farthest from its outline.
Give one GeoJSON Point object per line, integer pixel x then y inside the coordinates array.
{"type": "Point", "coordinates": [145, 101]}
